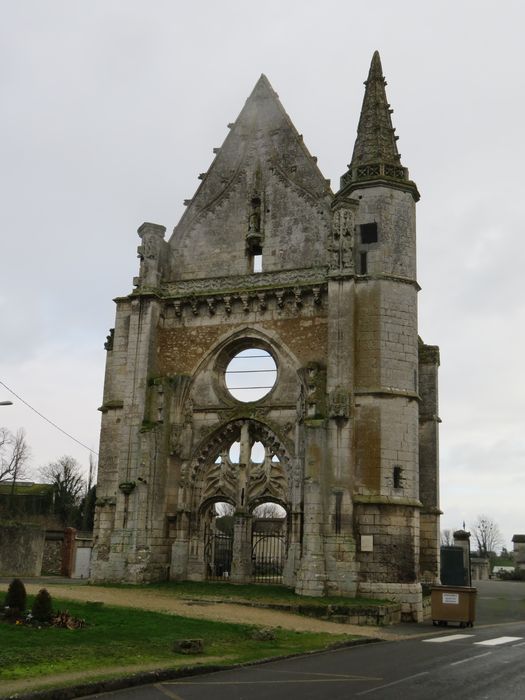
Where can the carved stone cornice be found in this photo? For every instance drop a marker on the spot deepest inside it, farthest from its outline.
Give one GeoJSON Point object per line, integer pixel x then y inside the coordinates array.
{"type": "Point", "coordinates": [388, 278]}
{"type": "Point", "coordinates": [248, 300]}
{"type": "Point", "coordinates": [238, 283]}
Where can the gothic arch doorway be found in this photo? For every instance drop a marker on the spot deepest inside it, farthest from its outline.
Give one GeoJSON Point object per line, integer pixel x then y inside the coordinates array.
{"type": "Point", "coordinates": [269, 542]}
{"type": "Point", "coordinates": [218, 540]}
{"type": "Point", "coordinates": [242, 482]}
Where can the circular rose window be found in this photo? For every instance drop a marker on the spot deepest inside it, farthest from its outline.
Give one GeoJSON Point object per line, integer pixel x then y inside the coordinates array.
{"type": "Point", "coordinates": [251, 374]}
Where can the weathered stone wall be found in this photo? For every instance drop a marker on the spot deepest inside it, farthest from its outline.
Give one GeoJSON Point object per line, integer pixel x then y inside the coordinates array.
{"type": "Point", "coordinates": [391, 531]}
{"type": "Point", "coordinates": [21, 550]}
{"type": "Point", "coordinates": [293, 213]}
{"type": "Point", "coordinates": [394, 212]}
{"type": "Point", "coordinates": [429, 462]}
{"type": "Point", "coordinates": [409, 595]}
{"type": "Point", "coordinates": [52, 555]}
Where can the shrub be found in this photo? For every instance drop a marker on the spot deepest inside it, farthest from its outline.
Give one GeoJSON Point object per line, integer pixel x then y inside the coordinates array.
{"type": "Point", "coordinates": [42, 609]}
{"type": "Point", "coordinates": [16, 597]}
{"type": "Point", "coordinates": [516, 575]}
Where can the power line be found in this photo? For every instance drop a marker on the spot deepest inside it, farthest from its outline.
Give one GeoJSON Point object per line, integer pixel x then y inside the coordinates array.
{"type": "Point", "coordinates": [47, 419]}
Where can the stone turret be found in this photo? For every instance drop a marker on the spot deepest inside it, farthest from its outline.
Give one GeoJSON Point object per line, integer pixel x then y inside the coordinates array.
{"type": "Point", "coordinates": [375, 158]}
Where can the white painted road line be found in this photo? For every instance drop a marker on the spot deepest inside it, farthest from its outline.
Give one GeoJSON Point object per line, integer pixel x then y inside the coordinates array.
{"type": "Point", "coordinates": [470, 658]}
{"type": "Point", "coordinates": [521, 644]}
{"type": "Point", "coordinates": [497, 641]}
{"type": "Point", "coordinates": [448, 638]}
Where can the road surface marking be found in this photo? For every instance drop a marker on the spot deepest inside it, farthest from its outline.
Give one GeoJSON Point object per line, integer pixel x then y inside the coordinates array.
{"type": "Point", "coordinates": [387, 685]}
{"type": "Point", "coordinates": [498, 640]}
{"type": "Point", "coordinates": [521, 644]}
{"type": "Point", "coordinates": [448, 638]}
{"type": "Point", "coordinates": [471, 658]}
{"type": "Point", "coordinates": [350, 677]}
{"type": "Point", "coordinates": [336, 679]}
{"type": "Point", "coordinates": [165, 691]}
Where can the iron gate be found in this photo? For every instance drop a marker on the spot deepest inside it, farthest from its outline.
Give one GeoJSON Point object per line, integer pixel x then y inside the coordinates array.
{"type": "Point", "coordinates": [268, 555]}
{"type": "Point", "coordinates": [218, 550]}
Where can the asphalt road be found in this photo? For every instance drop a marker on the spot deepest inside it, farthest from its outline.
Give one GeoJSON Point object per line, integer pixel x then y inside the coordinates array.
{"type": "Point", "coordinates": [479, 664]}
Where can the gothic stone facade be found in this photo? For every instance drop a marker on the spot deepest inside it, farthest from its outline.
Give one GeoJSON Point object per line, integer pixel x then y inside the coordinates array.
{"type": "Point", "coordinates": [267, 257]}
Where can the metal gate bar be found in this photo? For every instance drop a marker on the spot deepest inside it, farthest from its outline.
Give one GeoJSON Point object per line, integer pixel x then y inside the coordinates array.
{"type": "Point", "coordinates": [268, 556]}
{"type": "Point", "coordinates": [218, 551]}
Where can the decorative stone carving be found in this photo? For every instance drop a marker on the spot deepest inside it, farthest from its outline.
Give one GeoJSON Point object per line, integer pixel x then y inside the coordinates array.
{"type": "Point", "coordinates": [221, 479]}
{"type": "Point", "coordinates": [312, 400]}
{"type": "Point", "coordinates": [342, 239]}
{"type": "Point", "coordinates": [108, 345]}
{"type": "Point", "coordinates": [211, 305]}
{"type": "Point", "coordinates": [181, 416]}
{"type": "Point", "coordinates": [245, 299]}
{"type": "Point", "coordinates": [254, 234]}
{"type": "Point", "coordinates": [283, 278]}
{"type": "Point", "coordinates": [266, 479]}
{"type": "Point", "coordinates": [151, 253]}
{"type": "Point", "coordinates": [339, 403]}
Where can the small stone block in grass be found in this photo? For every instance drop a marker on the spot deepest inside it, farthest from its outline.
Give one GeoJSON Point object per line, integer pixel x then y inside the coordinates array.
{"type": "Point", "coordinates": [188, 646]}
{"type": "Point", "coordinates": [263, 634]}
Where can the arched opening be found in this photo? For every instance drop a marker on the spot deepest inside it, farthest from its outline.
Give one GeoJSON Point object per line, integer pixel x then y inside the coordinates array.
{"type": "Point", "coordinates": [218, 539]}
{"type": "Point", "coordinates": [243, 499]}
{"type": "Point", "coordinates": [269, 541]}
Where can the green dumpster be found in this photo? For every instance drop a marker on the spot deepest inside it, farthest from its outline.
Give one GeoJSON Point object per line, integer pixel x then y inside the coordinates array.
{"type": "Point", "coordinates": [453, 604]}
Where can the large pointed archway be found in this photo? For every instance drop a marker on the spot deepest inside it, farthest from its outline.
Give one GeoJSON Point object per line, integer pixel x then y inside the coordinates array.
{"type": "Point", "coordinates": [246, 465]}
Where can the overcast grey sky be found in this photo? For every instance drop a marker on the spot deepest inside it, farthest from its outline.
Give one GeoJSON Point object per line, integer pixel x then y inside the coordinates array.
{"type": "Point", "coordinates": [110, 110]}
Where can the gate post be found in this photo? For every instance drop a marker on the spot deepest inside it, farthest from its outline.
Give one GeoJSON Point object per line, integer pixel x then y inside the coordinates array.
{"type": "Point", "coordinates": [242, 548]}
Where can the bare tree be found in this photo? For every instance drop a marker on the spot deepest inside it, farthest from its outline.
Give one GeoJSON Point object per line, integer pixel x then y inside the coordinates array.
{"type": "Point", "coordinates": [447, 538]}
{"type": "Point", "coordinates": [87, 504]}
{"type": "Point", "coordinates": [487, 535]}
{"type": "Point", "coordinates": [14, 454]}
{"type": "Point", "coordinates": [69, 484]}
{"type": "Point", "coordinates": [222, 508]}
{"type": "Point", "coordinates": [269, 510]}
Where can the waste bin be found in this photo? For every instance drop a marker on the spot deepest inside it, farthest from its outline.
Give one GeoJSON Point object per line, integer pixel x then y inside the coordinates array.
{"type": "Point", "coordinates": [453, 604]}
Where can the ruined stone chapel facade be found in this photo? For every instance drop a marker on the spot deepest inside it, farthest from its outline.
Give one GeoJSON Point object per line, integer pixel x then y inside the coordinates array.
{"type": "Point", "coordinates": [319, 289]}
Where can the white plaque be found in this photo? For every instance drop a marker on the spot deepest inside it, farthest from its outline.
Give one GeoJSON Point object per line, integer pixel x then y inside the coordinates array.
{"type": "Point", "coordinates": [451, 598]}
{"type": "Point", "coordinates": [367, 543]}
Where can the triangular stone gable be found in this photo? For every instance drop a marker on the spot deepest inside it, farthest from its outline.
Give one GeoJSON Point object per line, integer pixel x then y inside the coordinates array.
{"type": "Point", "coordinates": [263, 172]}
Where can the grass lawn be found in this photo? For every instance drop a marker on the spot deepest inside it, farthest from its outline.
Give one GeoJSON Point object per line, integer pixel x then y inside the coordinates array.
{"type": "Point", "coordinates": [117, 637]}
{"type": "Point", "coordinates": [265, 594]}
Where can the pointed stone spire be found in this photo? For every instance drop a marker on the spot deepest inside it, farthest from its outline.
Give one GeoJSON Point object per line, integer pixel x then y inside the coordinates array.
{"type": "Point", "coordinates": [375, 157]}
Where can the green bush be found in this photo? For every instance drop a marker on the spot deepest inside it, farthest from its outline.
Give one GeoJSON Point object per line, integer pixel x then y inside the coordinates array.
{"type": "Point", "coordinates": [42, 609]}
{"type": "Point", "coordinates": [16, 596]}
{"type": "Point", "coordinates": [516, 575]}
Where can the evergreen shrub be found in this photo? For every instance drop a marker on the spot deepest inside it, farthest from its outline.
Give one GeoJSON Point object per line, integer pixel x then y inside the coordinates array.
{"type": "Point", "coordinates": [16, 597]}
{"type": "Point", "coordinates": [42, 610]}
